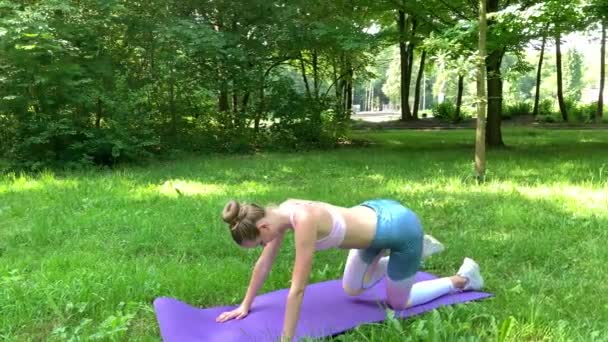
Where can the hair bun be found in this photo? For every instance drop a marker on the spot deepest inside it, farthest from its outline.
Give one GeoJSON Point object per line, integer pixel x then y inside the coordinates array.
{"type": "Point", "coordinates": [231, 211]}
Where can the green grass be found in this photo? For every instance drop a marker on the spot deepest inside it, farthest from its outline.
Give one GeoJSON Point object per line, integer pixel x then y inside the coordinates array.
{"type": "Point", "coordinates": [83, 255]}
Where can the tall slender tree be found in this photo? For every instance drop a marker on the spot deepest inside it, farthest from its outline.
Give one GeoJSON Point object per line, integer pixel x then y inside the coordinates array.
{"type": "Point", "coordinates": [480, 144]}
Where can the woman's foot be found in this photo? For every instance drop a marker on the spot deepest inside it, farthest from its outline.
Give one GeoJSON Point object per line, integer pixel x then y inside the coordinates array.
{"type": "Point", "coordinates": [431, 246]}
{"type": "Point", "coordinates": [470, 275]}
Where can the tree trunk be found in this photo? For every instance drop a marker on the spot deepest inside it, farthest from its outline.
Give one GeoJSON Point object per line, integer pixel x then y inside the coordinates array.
{"type": "Point", "coordinates": [260, 111]}
{"type": "Point", "coordinates": [244, 102]}
{"type": "Point", "coordinates": [315, 72]}
{"type": "Point", "coordinates": [223, 105]}
{"type": "Point", "coordinates": [347, 100]}
{"type": "Point", "coordinates": [304, 78]}
{"type": "Point", "coordinates": [538, 76]}
{"type": "Point", "coordinates": [600, 101]}
{"type": "Point", "coordinates": [99, 113]}
{"type": "Point", "coordinates": [410, 68]}
{"type": "Point", "coordinates": [340, 89]}
{"type": "Point", "coordinates": [223, 99]}
{"type": "Point", "coordinates": [408, 80]}
{"type": "Point", "coordinates": [494, 110]}
{"type": "Point", "coordinates": [349, 95]}
{"type": "Point", "coordinates": [370, 97]}
{"type": "Point", "coordinates": [560, 87]}
{"type": "Point", "coordinates": [403, 54]}
{"type": "Point", "coordinates": [480, 146]}
{"type": "Point", "coordinates": [235, 102]}
{"type": "Point", "coordinates": [494, 91]}
{"type": "Point", "coordinates": [344, 102]}
{"type": "Point", "coordinates": [459, 97]}
{"type": "Point", "coordinates": [337, 81]}
{"type": "Point", "coordinates": [364, 104]}
{"type": "Point", "coordinates": [418, 81]}
{"type": "Point", "coordinates": [172, 109]}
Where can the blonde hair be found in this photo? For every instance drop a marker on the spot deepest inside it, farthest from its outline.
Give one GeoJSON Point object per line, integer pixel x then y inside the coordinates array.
{"type": "Point", "coordinates": [242, 219]}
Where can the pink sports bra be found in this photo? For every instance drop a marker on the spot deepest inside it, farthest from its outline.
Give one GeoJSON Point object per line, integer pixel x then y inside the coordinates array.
{"type": "Point", "coordinates": [338, 229]}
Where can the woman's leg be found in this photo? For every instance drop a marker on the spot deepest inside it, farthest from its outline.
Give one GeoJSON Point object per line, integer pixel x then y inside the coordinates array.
{"type": "Point", "coordinates": [364, 268]}
{"type": "Point", "coordinates": [360, 275]}
{"type": "Point", "coordinates": [467, 278]}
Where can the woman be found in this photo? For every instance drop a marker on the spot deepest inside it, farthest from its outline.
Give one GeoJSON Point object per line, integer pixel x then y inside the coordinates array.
{"type": "Point", "coordinates": [368, 230]}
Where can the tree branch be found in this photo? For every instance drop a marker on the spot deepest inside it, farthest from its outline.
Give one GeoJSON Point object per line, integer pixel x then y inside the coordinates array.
{"type": "Point", "coordinates": [455, 10]}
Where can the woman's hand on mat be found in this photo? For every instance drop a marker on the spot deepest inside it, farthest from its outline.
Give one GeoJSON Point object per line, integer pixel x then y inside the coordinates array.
{"type": "Point", "coordinates": [237, 313]}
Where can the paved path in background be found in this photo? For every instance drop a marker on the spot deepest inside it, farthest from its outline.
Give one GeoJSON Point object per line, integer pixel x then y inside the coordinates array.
{"type": "Point", "coordinates": [376, 116]}
{"type": "Point", "coordinates": [389, 120]}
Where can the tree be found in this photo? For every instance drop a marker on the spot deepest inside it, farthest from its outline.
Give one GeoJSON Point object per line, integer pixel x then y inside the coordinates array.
{"type": "Point", "coordinates": [494, 92]}
{"type": "Point", "coordinates": [89, 80]}
{"type": "Point", "coordinates": [405, 67]}
{"type": "Point", "coordinates": [574, 66]}
{"type": "Point", "coordinates": [564, 17]}
{"type": "Point", "coordinates": [392, 87]}
{"type": "Point", "coordinates": [558, 65]}
{"type": "Point", "coordinates": [480, 144]}
{"type": "Point", "coordinates": [508, 29]}
{"type": "Point", "coordinates": [453, 54]}
{"type": "Point", "coordinates": [418, 81]}
{"type": "Point", "coordinates": [598, 13]}
{"type": "Point", "coordinates": [406, 23]}
{"type": "Point", "coordinates": [600, 101]}
{"type": "Point", "coordinates": [511, 27]}
{"type": "Point", "coordinates": [539, 74]}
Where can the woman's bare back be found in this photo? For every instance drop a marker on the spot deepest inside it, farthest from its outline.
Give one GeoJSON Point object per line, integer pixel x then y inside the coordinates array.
{"type": "Point", "coordinates": [360, 222]}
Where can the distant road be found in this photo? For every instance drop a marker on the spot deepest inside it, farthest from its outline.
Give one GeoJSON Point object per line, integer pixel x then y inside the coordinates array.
{"type": "Point", "coordinates": [376, 116]}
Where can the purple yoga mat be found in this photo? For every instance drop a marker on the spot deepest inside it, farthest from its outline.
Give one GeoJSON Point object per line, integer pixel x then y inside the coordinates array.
{"type": "Point", "coordinates": [326, 310]}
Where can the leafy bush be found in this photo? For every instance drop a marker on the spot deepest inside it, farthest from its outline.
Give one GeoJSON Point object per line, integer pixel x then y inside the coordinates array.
{"type": "Point", "coordinates": [298, 122]}
{"type": "Point", "coordinates": [72, 94]}
{"type": "Point", "coordinates": [517, 109]}
{"type": "Point", "coordinates": [45, 142]}
{"type": "Point", "coordinates": [7, 133]}
{"type": "Point", "coordinates": [580, 112]}
{"type": "Point", "coordinates": [549, 118]}
{"type": "Point", "coordinates": [546, 107]}
{"type": "Point", "coordinates": [445, 111]}
{"type": "Point", "coordinates": [589, 110]}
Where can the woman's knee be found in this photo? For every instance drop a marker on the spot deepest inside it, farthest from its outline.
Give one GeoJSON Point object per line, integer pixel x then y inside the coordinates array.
{"type": "Point", "coordinates": [352, 290]}
{"type": "Point", "coordinates": [398, 292]}
{"type": "Point", "coordinates": [354, 271]}
{"type": "Point", "coordinates": [397, 305]}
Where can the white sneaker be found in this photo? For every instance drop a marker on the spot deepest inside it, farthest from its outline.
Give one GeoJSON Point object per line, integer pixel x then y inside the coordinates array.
{"type": "Point", "coordinates": [470, 270]}
{"type": "Point", "coordinates": [431, 246]}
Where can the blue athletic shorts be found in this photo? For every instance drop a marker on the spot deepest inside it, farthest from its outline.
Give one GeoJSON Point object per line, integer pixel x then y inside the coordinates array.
{"type": "Point", "coordinates": [399, 231]}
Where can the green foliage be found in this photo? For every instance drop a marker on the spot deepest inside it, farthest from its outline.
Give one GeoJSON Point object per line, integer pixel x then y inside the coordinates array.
{"type": "Point", "coordinates": [445, 111]}
{"type": "Point", "coordinates": [519, 76]}
{"type": "Point", "coordinates": [392, 86]}
{"type": "Point", "coordinates": [517, 109]}
{"type": "Point", "coordinates": [546, 107]}
{"type": "Point", "coordinates": [104, 82]}
{"type": "Point", "coordinates": [574, 74]}
{"type": "Point", "coordinates": [299, 122]}
{"type": "Point", "coordinates": [547, 111]}
{"type": "Point", "coordinates": [580, 112]}
{"type": "Point", "coordinates": [114, 327]}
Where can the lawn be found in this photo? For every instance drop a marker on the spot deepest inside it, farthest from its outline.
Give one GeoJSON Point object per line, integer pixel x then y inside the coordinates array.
{"type": "Point", "coordinates": [84, 254]}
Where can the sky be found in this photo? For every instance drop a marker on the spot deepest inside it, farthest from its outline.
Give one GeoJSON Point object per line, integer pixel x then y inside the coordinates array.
{"type": "Point", "coordinates": [584, 42]}
{"type": "Point", "coordinates": [588, 43]}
